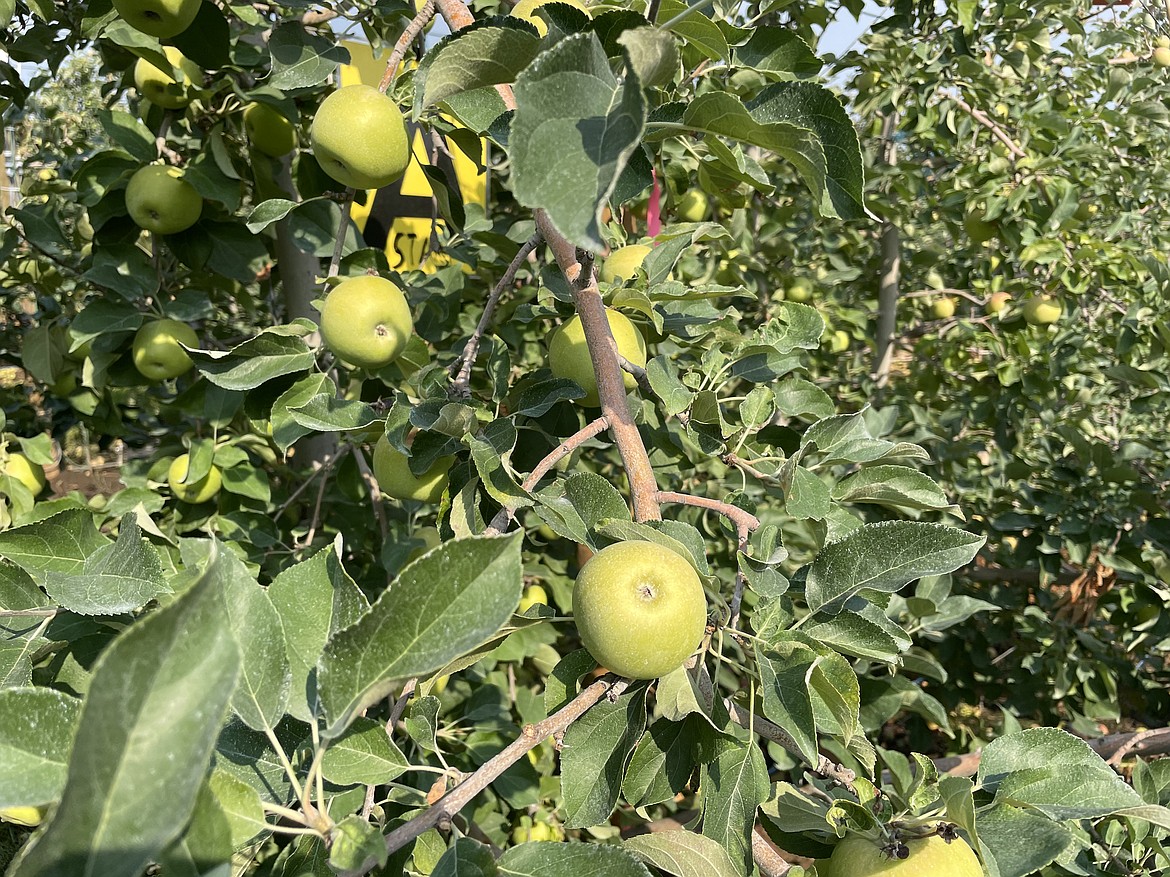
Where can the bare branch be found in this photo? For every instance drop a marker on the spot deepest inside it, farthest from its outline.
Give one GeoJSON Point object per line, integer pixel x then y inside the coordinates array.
{"type": "Point", "coordinates": [461, 368]}
{"type": "Point", "coordinates": [770, 862]}
{"type": "Point", "coordinates": [990, 124]}
{"type": "Point", "coordinates": [505, 515]}
{"type": "Point", "coordinates": [401, 47]}
{"type": "Point", "coordinates": [743, 520]}
{"type": "Point", "coordinates": [826, 768]}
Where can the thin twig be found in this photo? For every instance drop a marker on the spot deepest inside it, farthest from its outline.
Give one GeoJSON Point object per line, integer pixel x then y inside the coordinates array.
{"type": "Point", "coordinates": [443, 811]}
{"type": "Point", "coordinates": [28, 613]}
{"type": "Point", "coordinates": [342, 231]}
{"type": "Point", "coordinates": [990, 124]}
{"type": "Point", "coordinates": [399, 707]}
{"type": "Point", "coordinates": [825, 767]}
{"type": "Point", "coordinates": [375, 493]}
{"type": "Point", "coordinates": [770, 862]}
{"type": "Point", "coordinates": [409, 35]}
{"type": "Point", "coordinates": [505, 515]}
{"type": "Point", "coordinates": [742, 519]}
{"type": "Point", "coordinates": [642, 378]}
{"type": "Point", "coordinates": [461, 368]}
{"type": "Point", "coordinates": [316, 520]}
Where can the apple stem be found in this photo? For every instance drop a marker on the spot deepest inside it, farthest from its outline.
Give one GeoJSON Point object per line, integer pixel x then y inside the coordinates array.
{"type": "Point", "coordinates": [461, 368]}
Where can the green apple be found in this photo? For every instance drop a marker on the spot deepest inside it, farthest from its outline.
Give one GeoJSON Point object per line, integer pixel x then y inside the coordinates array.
{"type": "Point", "coordinates": [156, 351]}
{"type": "Point", "coordinates": [568, 353]}
{"type": "Point", "coordinates": [1041, 310]}
{"type": "Point", "coordinates": [867, 80]}
{"type": "Point", "coordinates": [693, 206]}
{"type": "Point", "coordinates": [160, 87]}
{"type": "Point", "coordinates": [366, 321]}
{"type": "Point", "coordinates": [392, 472]}
{"type": "Point", "coordinates": [24, 470]}
{"type": "Point", "coordinates": [29, 817]}
{"type": "Point", "coordinates": [1086, 210]}
{"type": "Point", "coordinates": [639, 608]}
{"type": "Point", "coordinates": [532, 595]}
{"type": "Point", "coordinates": [932, 856]}
{"type": "Point", "coordinates": [800, 290]}
{"type": "Point", "coordinates": [537, 832]}
{"type": "Point", "coordinates": [526, 9]}
{"type": "Point", "coordinates": [159, 18]}
{"type": "Point", "coordinates": [359, 138]}
{"type": "Point", "coordinates": [160, 200]}
{"type": "Point", "coordinates": [268, 130]}
{"type": "Point", "coordinates": [1162, 56]}
{"type": "Point", "coordinates": [194, 492]}
{"type": "Point", "coordinates": [624, 262]}
{"type": "Point", "coordinates": [840, 341]}
{"type": "Point", "coordinates": [998, 301]}
{"type": "Point", "coordinates": [430, 539]}
{"type": "Point", "coordinates": [978, 228]}
{"type": "Point", "coordinates": [942, 308]}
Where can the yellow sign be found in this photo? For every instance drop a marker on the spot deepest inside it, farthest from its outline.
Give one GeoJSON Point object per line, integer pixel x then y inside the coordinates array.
{"type": "Point", "coordinates": [401, 217]}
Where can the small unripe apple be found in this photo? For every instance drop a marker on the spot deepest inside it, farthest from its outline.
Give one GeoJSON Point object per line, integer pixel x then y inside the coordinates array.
{"type": "Point", "coordinates": [161, 88]}
{"type": "Point", "coordinates": [980, 230]}
{"type": "Point", "coordinates": [156, 351]}
{"type": "Point", "coordinates": [25, 471]}
{"type": "Point", "coordinates": [639, 608]}
{"type": "Point", "coordinates": [268, 130]}
{"type": "Point", "coordinates": [867, 80]}
{"type": "Point", "coordinates": [366, 321]}
{"type": "Point", "coordinates": [568, 353]}
{"type": "Point", "coordinates": [532, 595]}
{"type": "Point", "coordinates": [693, 206]}
{"type": "Point", "coordinates": [359, 138]}
{"type": "Point", "coordinates": [430, 538]}
{"type": "Point", "coordinates": [624, 262]}
{"type": "Point", "coordinates": [800, 290]}
{"type": "Point", "coordinates": [1162, 56]}
{"type": "Point", "coordinates": [159, 18]}
{"type": "Point", "coordinates": [998, 302]}
{"type": "Point", "coordinates": [1086, 210]}
{"type": "Point", "coordinates": [392, 472]}
{"type": "Point", "coordinates": [538, 831]}
{"type": "Point", "coordinates": [526, 9]}
{"type": "Point", "coordinates": [194, 492]}
{"type": "Point", "coordinates": [943, 308]}
{"type": "Point", "coordinates": [1041, 310]}
{"type": "Point", "coordinates": [840, 341]}
{"type": "Point", "coordinates": [158, 199]}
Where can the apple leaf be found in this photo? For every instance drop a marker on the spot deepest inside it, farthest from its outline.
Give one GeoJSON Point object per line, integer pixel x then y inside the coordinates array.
{"type": "Point", "coordinates": [253, 362]}
{"type": "Point", "coordinates": [778, 51]}
{"type": "Point", "coordinates": [363, 754]}
{"type": "Point", "coordinates": [662, 763]}
{"type": "Point", "coordinates": [542, 859]}
{"type": "Point", "coordinates": [59, 544]}
{"type": "Point", "coordinates": [36, 734]}
{"type": "Point", "coordinates": [683, 854]}
{"type": "Point", "coordinates": [1020, 842]}
{"type": "Point", "coordinates": [490, 52]}
{"type": "Point", "coordinates": [574, 130]}
{"type": "Point", "coordinates": [884, 557]}
{"type": "Point", "coordinates": [446, 603]}
{"type": "Point", "coordinates": [596, 747]}
{"type": "Point", "coordinates": [785, 675]}
{"type": "Point", "coordinates": [315, 599]}
{"type": "Point", "coordinates": [301, 59]}
{"type": "Point", "coordinates": [149, 722]}
{"type": "Point", "coordinates": [734, 785]}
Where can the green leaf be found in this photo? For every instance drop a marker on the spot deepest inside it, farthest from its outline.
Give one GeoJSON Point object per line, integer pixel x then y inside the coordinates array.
{"type": "Point", "coordinates": [249, 364]}
{"type": "Point", "coordinates": [836, 697]}
{"type": "Point", "coordinates": [466, 858]}
{"type": "Point", "coordinates": [734, 785]}
{"type": "Point", "coordinates": [779, 51]}
{"type": "Point", "coordinates": [786, 698]}
{"type": "Point", "coordinates": [148, 725]}
{"type": "Point", "coordinates": [363, 754]}
{"type": "Point", "coordinates": [1051, 771]}
{"type": "Point", "coordinates": [596, 747]}
{"type": "Point", "coordinates": [540, 859]}
{"type": "Point", "coordinates": [327, 413]}
{"type": "Point", "coordinates": [861, 637]}
{"type": "Point", "coordinates": [805, 494]}
{"type": "Point", "coordinates": [59, 544]}
{"type": "Point", "coordinates": [128, 132]}
{"type": "Point", "coordinates": [884, 557]}
{"type": "Point", "coordinates": [36, 735]}
{"type": "Point", "coordinates": [893, 486]}
{"type": "Point", "coordinates": [817, 109]}
{"type": "Point", "coordinates": [270, 211]}
{"type": "Point", "coordinates": [661, 764]}
{"type": "Point", "coordinates": [285, 429]}
{"type": "Point", "coordinates": [489, 52]}
{"type": "Point", "coordinates": [240, 805]}
{"type": "Point", "coordinates": [574, 130]}
{"type": "Point", "coordinates": [444, 604]}
{"type": "Point", "coordinates": [1021, 842]}
{"type": "Point", "coordinates": [301, 59]}
{"type": "Point", "coordinates": [353, 842]}
{"type": "Point", "coordinates": [315, 599]}
{"type": "Point", "coordinates": [683, 853]}
{"type": "Point", "coordinates": [697, 29]}
{"type": "Point", "coordinates": [117, 578]}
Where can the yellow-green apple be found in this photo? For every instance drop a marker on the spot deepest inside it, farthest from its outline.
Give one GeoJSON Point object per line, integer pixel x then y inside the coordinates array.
{"type": "Point", "coordinates": [194, 492]}
{"type": "Point", "coordinates": [800, 290]}
{"type": "Point", "coordinates": [268, 130]}
{"type": "Point", "coordinates": [392, 472]}
{"type": "Point", "coordinates": [359, 138]}
{"type": "Point", "coordinates": [693, 206]}
{"type": "Point", "coordinates": [932, 856]}
{"type": "Point", "coordinates": [24, 470]}
{"type": "Point", "coordinates": [943, 308]}
{"type": "Point", "coordinates": [624, 262]}
{"type": "Point", "coordinates": [159, 18]}
{"type": "Point", "coordinates": [568, 353]}
{"type": "Point", "coordinates": [160, 200]}
{"type": "Point", "coordinates": [160, 87]}
{"type": "Point", "coordinates": [998, 301]}
{"type": "Point", "coordinates": [366, 321]}
{"type": "Point", "coordinates": [639, 608]}
{"type": "Point", "coordinates": [156, 351]}
{"type": "Point", "coordinates": [532, 595]}
{"type": "Point", "coordinates": [1041, 310]}
{"type": "Point", "coordinates": [1162, 56]}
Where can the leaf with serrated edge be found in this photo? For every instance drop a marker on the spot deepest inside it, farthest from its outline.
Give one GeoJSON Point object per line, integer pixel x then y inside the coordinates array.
{"type": "Point", "coordinates": [683, 853]}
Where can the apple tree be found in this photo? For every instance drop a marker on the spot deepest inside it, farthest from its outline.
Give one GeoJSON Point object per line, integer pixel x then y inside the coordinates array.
{"type": "Point", "coordinates": [566, 550]}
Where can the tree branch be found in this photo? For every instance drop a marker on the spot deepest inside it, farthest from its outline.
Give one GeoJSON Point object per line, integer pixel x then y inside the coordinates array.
{"type": "Point", "coordinates": [826, 768]}
{"type": "Point", "coordinates": [743, 520]}
{"type": "Point", "coordinates": [770, 862]}
{"type": "Point", "coordinates": [991, 125]}
{"type": "Point", "coordinates": [401, 47]}
{"type": "Point", "coordinates": [459, 797]}
{"type": "Point", "coordinates": [375, 491]}
{"type": "Point", "coordinates": [505, 515]}
{"type": "Point", "coordinates": [461, 368]}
